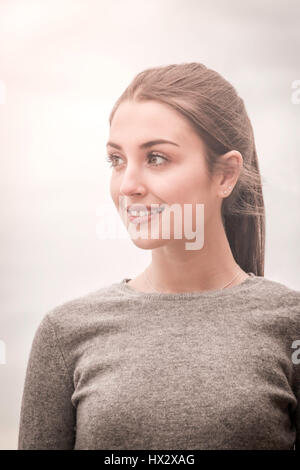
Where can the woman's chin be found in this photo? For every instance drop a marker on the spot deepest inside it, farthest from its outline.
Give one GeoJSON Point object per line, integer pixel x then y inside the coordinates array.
{"type": "Point", "coordinates": [148, 243]}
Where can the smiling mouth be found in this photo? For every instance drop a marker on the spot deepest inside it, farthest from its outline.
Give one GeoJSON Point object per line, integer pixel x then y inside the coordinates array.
{"type": "Point", "coordinates": [137, 217]}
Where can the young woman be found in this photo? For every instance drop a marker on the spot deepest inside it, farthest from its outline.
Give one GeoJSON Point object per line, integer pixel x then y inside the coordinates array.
{"type": "Point", "coordinates": [199, 351]}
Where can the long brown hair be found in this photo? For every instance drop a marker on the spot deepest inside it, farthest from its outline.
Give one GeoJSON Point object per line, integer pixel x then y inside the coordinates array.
{"type": "Point", "coordinates": [218, 115]}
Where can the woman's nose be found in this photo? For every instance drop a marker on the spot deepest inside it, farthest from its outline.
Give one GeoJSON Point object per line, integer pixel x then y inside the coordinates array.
{"type": "Point", "coordinates": [132, 182]}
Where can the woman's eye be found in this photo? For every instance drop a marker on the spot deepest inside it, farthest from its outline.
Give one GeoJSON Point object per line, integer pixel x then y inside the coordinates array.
{"type": "Point", "coordinates": [157, 155]}
{"type": "Point", "coordinates": [111, 158]}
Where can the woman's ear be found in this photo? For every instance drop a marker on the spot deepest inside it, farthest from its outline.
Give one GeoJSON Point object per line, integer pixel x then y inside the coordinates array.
{"type": "Point", "coordinates": [230, 165]}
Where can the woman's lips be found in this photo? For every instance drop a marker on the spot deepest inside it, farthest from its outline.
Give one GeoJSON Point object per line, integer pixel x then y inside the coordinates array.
{"type": "Point", "coordinates": [135, 219]}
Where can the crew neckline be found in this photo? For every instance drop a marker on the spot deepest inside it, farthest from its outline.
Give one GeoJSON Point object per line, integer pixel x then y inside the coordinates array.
{"type": "Point", "coordinates": [247, 283]}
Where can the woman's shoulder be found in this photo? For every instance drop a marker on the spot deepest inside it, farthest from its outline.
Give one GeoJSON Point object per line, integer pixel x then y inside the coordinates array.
{"type": "Point", "coordinates": [102, 301]}
{"type": "Point", "coordinates": [278, 289]}
{"type": "Point", "coordinates": [68, 322]}
{"type": "Point", "coordinates": [278, 298]}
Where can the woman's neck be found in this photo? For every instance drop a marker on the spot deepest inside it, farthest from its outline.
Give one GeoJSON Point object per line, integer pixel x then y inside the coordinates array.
{"type": "Point", "coordinates": [172, 270]}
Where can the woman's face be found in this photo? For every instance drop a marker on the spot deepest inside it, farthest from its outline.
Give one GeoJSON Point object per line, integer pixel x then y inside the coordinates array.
{"type": "Point", "coordinates": [176, 174]}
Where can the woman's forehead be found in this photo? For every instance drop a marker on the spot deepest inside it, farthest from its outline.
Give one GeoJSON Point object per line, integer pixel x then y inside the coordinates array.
{"type": "Point", "coordinates": [138, 125]}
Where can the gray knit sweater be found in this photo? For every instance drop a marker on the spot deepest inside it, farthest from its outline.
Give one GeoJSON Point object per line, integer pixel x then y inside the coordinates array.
{"type": "Point", "coordinates": [122, 369]}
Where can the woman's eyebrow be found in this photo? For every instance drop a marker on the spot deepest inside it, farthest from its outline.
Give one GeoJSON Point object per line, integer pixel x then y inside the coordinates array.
{"type": "Point", "coordinates": [150, 143]}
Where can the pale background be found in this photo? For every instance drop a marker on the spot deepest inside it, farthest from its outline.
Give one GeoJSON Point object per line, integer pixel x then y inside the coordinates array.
{"type": "Point", "coordinates": [63, 64]}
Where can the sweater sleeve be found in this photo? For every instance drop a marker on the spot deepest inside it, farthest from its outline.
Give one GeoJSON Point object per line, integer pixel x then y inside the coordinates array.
{"type": "Point", "coordinates": [47, 416]}
{"type": "Point", "coordinates": [297, 412]}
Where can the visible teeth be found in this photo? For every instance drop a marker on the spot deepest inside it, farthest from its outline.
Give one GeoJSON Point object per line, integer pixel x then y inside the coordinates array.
{"type": "Point", "coordinates": [144, 213]}
{"type": "Point", "coordinates": [159, 209]}
{"type": "Point", "coordinates": [139, 213]}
